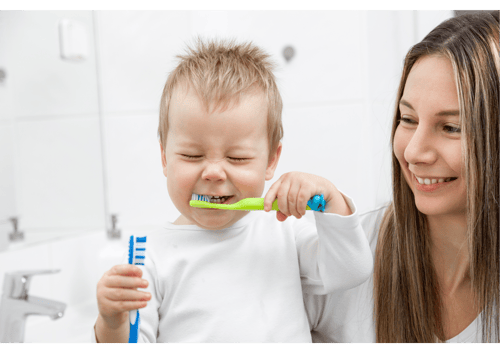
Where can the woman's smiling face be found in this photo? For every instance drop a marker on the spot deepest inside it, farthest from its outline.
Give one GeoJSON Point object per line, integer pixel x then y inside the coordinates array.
{"type": "Point", "coordinates": [427, 142]}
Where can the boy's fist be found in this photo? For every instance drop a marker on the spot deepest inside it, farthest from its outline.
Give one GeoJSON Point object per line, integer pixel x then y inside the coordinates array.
{"type": "Point", "coordinates": [293, 190]}
{"type": "Point", "coordinates": [117, 293]}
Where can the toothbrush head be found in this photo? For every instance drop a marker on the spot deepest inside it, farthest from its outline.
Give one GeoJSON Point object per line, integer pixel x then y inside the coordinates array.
{"type": "Point", "coordinates": [196, 197]}
{"type": "Point", "coordinates": [137, 250]}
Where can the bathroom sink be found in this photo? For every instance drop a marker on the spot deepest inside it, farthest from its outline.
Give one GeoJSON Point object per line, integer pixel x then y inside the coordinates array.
{"type": "Point", "coordinates": [74, 327]}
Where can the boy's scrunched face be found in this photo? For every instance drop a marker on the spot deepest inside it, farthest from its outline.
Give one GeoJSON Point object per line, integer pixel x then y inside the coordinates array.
{"type": "Point", "coordinates": [220, 153]}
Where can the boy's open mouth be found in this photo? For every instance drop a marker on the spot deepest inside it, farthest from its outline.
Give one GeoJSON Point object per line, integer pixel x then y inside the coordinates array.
{"type": "Point", "coordinates": [212, 199]}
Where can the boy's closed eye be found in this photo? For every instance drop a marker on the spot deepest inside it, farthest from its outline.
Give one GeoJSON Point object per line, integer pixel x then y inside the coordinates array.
{"type": "Point", "coordinates": [191, 156]}
{"type": "Point", "coordinates": [235, 159]}
{"type": "Point", "coordinates": [239, 159]}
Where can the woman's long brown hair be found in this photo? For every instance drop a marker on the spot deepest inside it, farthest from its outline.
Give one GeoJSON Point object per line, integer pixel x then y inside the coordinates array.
{"type": "Point", "coordinates": [406, 293]}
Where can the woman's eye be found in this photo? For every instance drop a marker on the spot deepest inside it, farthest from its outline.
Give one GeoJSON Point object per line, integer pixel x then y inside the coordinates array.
{"type": "Point", "coordinates": [407, 120]}
{"type": "Point", "coordinates": [452, 129]}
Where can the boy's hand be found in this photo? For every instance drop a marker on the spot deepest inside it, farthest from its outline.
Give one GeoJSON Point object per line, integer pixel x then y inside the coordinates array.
{"type": "Point", "coordinates": [294, 189]}
{"type": "Point", "coordinates": [117, 294]}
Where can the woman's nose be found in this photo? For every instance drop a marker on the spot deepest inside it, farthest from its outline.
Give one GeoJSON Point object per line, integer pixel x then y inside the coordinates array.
{"type": "Point", "coordinates": [421, 148]}
{"type": "Point", "coordinates": [214, 172]}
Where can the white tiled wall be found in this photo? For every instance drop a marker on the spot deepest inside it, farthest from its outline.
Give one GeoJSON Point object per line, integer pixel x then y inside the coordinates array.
{"type": "Point", "coordinates": [137, 189]}
{"type": "Point", "coordinates": [59, 168]}
{"type": "Point", "coordinates": [338, 93]}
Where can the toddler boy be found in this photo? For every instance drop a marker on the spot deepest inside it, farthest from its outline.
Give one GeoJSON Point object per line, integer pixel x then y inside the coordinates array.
{"type": "Point", "coordinates": [232, 276]}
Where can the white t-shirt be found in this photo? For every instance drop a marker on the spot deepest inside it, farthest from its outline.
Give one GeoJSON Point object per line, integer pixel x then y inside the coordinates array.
{"type": "Point", "coordinates": [244, 283]}
{"type": "Point", "coordinates": [348, 316]}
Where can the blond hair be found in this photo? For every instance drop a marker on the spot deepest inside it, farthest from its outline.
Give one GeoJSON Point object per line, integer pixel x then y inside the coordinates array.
{"type": "Point", "coordinates": [220, 72]}
{"type": "Point", "coordinates": [406, 293]}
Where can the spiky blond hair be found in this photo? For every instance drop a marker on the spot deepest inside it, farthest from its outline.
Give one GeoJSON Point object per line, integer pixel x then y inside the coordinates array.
{"type": "Point", "coordinates": [220, 71]}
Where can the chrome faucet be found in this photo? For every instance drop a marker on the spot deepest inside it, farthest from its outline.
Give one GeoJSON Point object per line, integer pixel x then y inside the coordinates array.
{"type": "Point", "coordinates": [16, 305]}
{"type": "Point", "coordinates": [16, 235]}
{"type": "Point", "coordinates": [114, 233]}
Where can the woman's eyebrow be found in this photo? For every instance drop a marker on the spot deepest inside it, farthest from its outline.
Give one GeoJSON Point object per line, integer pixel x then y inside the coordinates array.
{"type": "Point", "coordinates": [448, 113]}
{"type": "Point", "coordinates": [451, 112]}
{"type": "Point", "coordinates": [406, 104]}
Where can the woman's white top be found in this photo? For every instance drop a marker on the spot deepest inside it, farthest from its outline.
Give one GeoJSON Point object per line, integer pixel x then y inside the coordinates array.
{"type": "Point", "coordinates": [348, 316]}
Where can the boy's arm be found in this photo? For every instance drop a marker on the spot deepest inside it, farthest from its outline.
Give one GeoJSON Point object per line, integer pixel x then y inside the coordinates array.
{"type": "Point", "coordinates": [105, 333]}
{"type": "Point", "coordinates": [335, 254]}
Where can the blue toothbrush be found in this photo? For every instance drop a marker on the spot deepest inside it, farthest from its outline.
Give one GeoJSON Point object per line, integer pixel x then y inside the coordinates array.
{"type": "Point", "coordinates": [136, 256]}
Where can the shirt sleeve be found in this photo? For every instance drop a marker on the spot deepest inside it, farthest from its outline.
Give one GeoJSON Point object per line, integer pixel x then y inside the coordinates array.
{"type": "Point", "coordinates": [335, 254]}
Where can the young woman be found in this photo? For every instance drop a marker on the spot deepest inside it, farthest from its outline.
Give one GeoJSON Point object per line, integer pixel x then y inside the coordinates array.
{"type": "Point", "coordinates": [436, 245]}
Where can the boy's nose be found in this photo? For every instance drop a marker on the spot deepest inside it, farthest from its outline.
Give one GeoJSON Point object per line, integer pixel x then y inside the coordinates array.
{"type": "Point", "coordinates": [421, 148]}
{"type": "Point", "coordinates": [214, 172]}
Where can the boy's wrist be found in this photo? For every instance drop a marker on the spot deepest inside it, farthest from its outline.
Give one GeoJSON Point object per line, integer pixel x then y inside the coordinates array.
{"type": "Point", "coordinates": [112, 330]}
{"type": "Point", "coordinates": [337, 204]}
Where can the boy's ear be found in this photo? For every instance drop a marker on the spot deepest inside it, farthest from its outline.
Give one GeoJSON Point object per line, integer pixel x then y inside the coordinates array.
{"type": "Point", "coordinates": [163, 160]}
{"type": "Point", "coordinates": [273, 163]}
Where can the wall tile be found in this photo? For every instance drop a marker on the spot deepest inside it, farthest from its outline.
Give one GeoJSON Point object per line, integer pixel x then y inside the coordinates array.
{"type": "Point", "coordinates": [327, 141]}
{"type": "Point", "coordinates": [137, 188]}
{"type": "Point", "coordinates": [59, 173]}
{"type": "Point", "coordinates": [42, 83]}
{"type": "Point", "coordinates": [7, 176]}
{"type": "Point", "coordinates": [428, 20]}
{"type": "Point", "coordinates": [137, 50]}
{"type": "Point", "coordinates": [327, 61]}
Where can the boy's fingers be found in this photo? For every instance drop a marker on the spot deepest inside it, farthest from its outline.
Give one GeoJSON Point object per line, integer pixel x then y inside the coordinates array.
{"type": "Point", "coordinates": [302, 199]}
{"type": "Point", "coordinates": [271, 196]}
{"type": "Point", "coordinates": [280, 216]}
{"type": "Point", "coordinates": [283, 198]}
{"type": "Point", "coordinates": [121, 306]}
{"type": "Point", "coordinates": [293, 199]}
{"type": "Point", "coordinates": [126, 270]}
{"type": "Point", "coordinates": [124, 294]}
{"type": "Point", "coordinates": [126, 282]}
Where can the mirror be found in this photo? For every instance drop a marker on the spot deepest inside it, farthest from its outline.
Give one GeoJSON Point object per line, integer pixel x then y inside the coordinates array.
{"type": "Point", "coordinates": [51, 177]}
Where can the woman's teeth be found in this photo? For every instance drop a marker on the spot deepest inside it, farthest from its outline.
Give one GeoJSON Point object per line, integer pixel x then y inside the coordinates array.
{"type": "Point", "coordinates": [426, 181]}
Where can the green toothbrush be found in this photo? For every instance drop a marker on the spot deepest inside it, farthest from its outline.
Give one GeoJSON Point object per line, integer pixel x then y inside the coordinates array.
{"type": "Point", "coordinates": [316, 203]}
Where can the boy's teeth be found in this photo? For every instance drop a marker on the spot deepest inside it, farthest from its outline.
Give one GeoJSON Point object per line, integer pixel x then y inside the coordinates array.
{"type": "Point", "coordinates": [211, 199]}
{"type": "Point", "coordinates": [219, 199]}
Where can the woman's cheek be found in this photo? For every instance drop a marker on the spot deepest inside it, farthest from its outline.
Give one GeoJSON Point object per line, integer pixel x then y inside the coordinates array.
{"type": "Point", "coordinates": [399, 145]}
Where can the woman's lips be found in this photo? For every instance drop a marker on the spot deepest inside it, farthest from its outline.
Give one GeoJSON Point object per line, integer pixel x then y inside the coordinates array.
{"type": "Point", "coordinates": [431, 187]}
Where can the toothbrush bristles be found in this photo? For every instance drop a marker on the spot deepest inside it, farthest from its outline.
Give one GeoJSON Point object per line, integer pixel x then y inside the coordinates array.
{"type": "Point", "coordinates": [197, 197]}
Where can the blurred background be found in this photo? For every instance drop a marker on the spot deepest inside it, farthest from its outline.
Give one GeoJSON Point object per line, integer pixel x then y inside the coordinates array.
{"type": "Point", "coordinates": [80, 167]}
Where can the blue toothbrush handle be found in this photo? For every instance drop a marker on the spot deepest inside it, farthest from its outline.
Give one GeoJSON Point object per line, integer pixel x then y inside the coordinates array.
{"type": "Point", "coordinates": [134, 328]}
{"type": "Point", "coordinates": [317, 203]}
